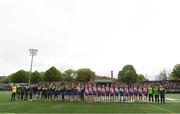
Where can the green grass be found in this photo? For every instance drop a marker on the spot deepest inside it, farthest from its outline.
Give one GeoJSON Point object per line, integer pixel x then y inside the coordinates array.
{"type": "Point", "coordinates": [6, 106]}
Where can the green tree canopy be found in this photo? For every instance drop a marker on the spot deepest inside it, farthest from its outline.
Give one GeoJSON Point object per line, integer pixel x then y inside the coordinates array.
{"type": "Point", "coordinates": [85, 75]}
{"type": "Point", "coordinates": [19, 77]}
{"type": "Point", "coordinates": [2, 79]}
{"type": "Point", "coordinates": [69, 75]}
{"type": "Point", "coordinates": [141, 77]}
{"type": "Point", "coordinates": [36, 77]}
{"type": "Point", "coordinates": [176, 72]}
{"type": "Point", "coordinates": [5, 79]}
{"type": "Point", "coordinates": [53, 75]}
{"type": "Point", "coordinates": [128, 74]}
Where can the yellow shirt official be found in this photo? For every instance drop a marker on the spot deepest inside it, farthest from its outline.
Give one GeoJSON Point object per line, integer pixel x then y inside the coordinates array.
{"type": "Point", "coordinates": [14, 89]}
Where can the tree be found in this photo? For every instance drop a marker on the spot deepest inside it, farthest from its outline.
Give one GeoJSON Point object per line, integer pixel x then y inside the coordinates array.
{"type": "Point", "coordinates": [2, 78]}
{"type": "Point", "coordinates": [19, 77]}
{"type": "Point", "coordinates": [127, 74]}
{"type": "Point", "coordinates": [52, 75]}
{"type": "Point", "coordinates": [163, 75]}
{"type": "Point", "coordinates": [69, 75]}
{"type": "Point", "coordinates": [170, 77]}
{"type": "Point", "coordinates": [85, 75]}
{"type": "Point", "coordinates": [141, 77]}
{"type": "Point", "coordinates": [176, 72]}
{"type": "Point", "coordinates": [5, 79]}
{"type": "Point", "coordinates": [36, 77]}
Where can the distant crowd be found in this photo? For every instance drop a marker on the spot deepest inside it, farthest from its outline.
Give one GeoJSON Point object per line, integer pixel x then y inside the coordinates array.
{"type": "Point", "coordinates": [172, 84]}
{"type": "Point", "coordinates": [91, 92]}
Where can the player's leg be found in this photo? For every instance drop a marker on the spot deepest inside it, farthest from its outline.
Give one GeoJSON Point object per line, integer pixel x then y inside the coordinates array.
{"type": "Point", "coordinates": [91, 97]}
{"type": "Point", "coordinates": [12, 97]}
{"type": "Point", "coordinates": [130, 97]}
{"type": "Point", "coordinates": [161, 99]}
{"type": "Point", "coordinates": [126, 97]}
{"type": "Point", "coordinates": [134, 97]}
{"type": "Point", "coordinates": [164, 99]}
{"type": "Point", "coordinates": [121, 97]}
{"type": "Point", "coordinates": [141, 98]}
{"type": "Point", "coordinates": [146, 97]}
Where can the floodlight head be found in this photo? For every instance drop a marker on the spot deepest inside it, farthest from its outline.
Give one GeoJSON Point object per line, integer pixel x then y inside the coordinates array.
{"type": "Point", "coordinates": [33, 52]}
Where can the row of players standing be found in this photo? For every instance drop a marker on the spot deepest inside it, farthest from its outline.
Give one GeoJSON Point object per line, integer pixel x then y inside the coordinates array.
{"type": "Point", "coordinates": [92, 92]}
{"type": "Point", "coordinates": [125, 93]}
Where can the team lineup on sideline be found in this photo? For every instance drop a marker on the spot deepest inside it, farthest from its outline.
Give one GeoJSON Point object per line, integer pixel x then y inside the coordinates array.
{"type": "Point", "coordinates": [86, 92]}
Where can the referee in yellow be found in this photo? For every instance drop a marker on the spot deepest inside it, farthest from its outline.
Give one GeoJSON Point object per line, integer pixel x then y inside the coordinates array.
{"type": "Point", "coordinates": [151, 93]}
{"type": "Point", "coordinates": [14, 90]}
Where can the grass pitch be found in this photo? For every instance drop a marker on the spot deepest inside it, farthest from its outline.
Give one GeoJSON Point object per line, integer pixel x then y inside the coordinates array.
{"type": "Point", "coordinates": [6, 106]}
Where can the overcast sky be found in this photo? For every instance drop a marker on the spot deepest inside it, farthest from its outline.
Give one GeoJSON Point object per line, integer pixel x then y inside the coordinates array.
{"type": "Point", "coordinates": [103, 35]}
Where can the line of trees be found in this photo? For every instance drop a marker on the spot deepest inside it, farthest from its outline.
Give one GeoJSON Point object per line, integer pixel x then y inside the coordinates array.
{"type": "Point", "coordinates": [51, 75]}
{"type": "Point", "coordinates": [127, 74]}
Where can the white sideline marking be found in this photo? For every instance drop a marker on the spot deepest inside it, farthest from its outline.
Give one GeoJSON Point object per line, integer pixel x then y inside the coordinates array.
{"type": "Point", "coordinates": [171, 99]}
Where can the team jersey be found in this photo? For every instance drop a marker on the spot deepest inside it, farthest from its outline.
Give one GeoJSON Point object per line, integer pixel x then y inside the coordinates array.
{"type": "Point", "coordinates": [103, 90]}
{"type": "Point", "coordinates": [111, 90]}
{"type": "Point", "coordinates": [126, 91]}
{"type": "Point", "coordinates": [99, 89]}
{"type": "Point", "coordinates": [135, 89]}
{"type": "Point", "coordinates": [116, 90]}
{"type": "Point", "coordinates": [86, 91]}
{"type": "Point", "coordinates": [90, 90]}
{"type": "Point", "coordinates": [78, 89]}
{"type": "Point", "coordinates": [145, 89]}
{"type": "Point", "coordinates": [121, 89]}
{"type": "Point", "coordinates": [107, 89]}
{"type": "Point", "coordinates": [131, 90]}
{"type": "Point", "coordinates": [94, 89]}
{"type": "Point", "coordinates": [140, 90]}
{"type": "Point", "coordinates": [39, 88]}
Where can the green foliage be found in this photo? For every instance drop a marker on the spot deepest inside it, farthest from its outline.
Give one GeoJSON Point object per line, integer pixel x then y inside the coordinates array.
{"type": "Point", "coordinates": [19, 77]}
{"type": "Point", "coordinates": [5, 79]}
{"type": "Point", "coordinates": [176, 72]}
{"type": "Point", "coordinates": [127, 74]}
{"type": "Point", "coordinates": [85, 75]}
{"type": "Point", "coordinates": [141, 77]}
{"type": "Point", "coordinates": [69, 75]}
{"type": "Point", "coordinates": [2, 79]}
{"type": "Point", "coordinates": [36, 77]}
{"type": "Point", "coordinates": [53, 75]}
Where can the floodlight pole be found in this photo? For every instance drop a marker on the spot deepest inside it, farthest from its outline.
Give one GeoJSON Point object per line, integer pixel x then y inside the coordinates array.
{"type": "Point", "coordinates": [33, 52]}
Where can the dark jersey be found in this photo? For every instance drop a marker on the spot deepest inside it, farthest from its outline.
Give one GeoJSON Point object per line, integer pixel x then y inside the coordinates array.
{"type": "Point", "coordinates": [162, 91]}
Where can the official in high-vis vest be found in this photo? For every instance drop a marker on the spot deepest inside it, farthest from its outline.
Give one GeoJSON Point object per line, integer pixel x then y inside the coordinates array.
{"type": "Point", "coordinates": [151, 92]}
{"type": "Point", "coordinates": [14, 90]}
